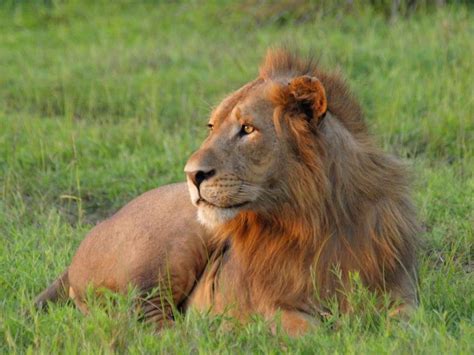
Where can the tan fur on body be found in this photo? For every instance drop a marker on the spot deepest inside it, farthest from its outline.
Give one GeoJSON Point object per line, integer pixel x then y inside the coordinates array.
{"type": "Point", "coordinates": [291, 187]}
{"type": "Point", "coordinates": [153, 241]}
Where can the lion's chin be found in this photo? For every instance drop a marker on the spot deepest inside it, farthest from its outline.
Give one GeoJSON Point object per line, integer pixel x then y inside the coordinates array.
{"type": "Point", "coordinates": [213, 217]}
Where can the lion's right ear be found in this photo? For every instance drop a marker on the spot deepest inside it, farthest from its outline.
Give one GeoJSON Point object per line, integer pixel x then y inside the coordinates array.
{"type": "Point", "coordinates": [309, 96]}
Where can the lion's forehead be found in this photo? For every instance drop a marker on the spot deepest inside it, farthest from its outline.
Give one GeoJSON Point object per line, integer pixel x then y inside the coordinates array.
{"type": "Point", "coordinates": [251, 95]}
{"type": "Point", "coordinates": [255, 104]}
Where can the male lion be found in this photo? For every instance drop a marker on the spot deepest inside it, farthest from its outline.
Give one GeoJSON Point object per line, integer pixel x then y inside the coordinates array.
{"type": "Point", "coordinates": [287, 187]}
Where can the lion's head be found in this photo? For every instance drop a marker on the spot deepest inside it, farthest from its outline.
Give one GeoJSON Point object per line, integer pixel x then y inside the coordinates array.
{"type": "Point", "coordinates": [249, 157]}
{"type": "Point", "coordinates": [262, 140]}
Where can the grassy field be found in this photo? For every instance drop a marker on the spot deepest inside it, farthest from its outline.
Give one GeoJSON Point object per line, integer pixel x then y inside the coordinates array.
{"type": "Point", "coordinates": [99, 103]}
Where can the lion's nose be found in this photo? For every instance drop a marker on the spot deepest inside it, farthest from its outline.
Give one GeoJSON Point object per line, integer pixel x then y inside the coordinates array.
{"type": "Point", "coordinates": [198, 176]}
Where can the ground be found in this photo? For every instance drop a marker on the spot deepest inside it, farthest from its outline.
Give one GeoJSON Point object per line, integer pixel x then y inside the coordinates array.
{"type": "Point", "coordinates": [101, 101]}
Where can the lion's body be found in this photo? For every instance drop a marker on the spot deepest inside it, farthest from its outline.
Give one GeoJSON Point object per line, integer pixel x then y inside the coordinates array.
{"type": "Point", "coordinates": [292, 189]}
{"type": "Point", "coordinates": [153, 239]}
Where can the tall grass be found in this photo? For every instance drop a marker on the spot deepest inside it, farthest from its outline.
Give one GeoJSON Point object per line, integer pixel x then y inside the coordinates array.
{"type": "Point", "coordinates": [100, 101]}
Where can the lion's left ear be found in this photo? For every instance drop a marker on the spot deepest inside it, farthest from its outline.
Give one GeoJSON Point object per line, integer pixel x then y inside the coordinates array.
{"type": "Point", "coordinates": [310, 96]}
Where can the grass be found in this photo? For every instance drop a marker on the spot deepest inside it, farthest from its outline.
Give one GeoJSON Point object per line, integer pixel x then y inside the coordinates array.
{"type": "Point", "coordinates": [101, 101]}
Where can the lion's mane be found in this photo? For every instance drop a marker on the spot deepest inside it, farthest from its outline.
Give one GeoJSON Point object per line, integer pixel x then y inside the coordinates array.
{"type": "Point", "coordinates": [347, 210]}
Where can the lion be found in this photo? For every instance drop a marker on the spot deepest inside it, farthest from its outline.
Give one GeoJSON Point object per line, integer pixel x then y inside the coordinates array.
{"type": "Point", "coordinates": [288, 187]}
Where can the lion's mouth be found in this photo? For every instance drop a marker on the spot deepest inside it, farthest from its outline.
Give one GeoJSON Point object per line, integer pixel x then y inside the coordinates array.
{"type": "Point", "coordinates": [204, 202]}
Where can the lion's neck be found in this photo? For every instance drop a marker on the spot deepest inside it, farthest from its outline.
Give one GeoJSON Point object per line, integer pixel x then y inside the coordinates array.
{"type": "Point", "coordinates": [273, 255]}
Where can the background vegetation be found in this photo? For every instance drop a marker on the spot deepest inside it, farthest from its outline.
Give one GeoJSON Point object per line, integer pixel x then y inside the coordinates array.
{"type": "Point", "coordinates": [100, 101]}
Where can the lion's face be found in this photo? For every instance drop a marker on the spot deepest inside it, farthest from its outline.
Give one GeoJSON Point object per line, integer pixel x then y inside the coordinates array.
{"type": "Point", "coordinates": [243, 164]}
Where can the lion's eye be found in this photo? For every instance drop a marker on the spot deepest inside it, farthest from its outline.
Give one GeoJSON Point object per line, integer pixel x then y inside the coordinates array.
{"type": "Point", "coordinates": [247, 129]}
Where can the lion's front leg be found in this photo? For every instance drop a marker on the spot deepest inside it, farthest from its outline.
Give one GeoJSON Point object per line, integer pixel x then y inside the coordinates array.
{"type": "Point", "coordinates": [296, 323]}
{"type": "Point", "coordinates": [177, 277]}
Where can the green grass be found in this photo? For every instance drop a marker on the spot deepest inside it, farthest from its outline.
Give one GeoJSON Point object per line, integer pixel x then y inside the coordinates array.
{"type": "Point", "coordinates": [102, 101]}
